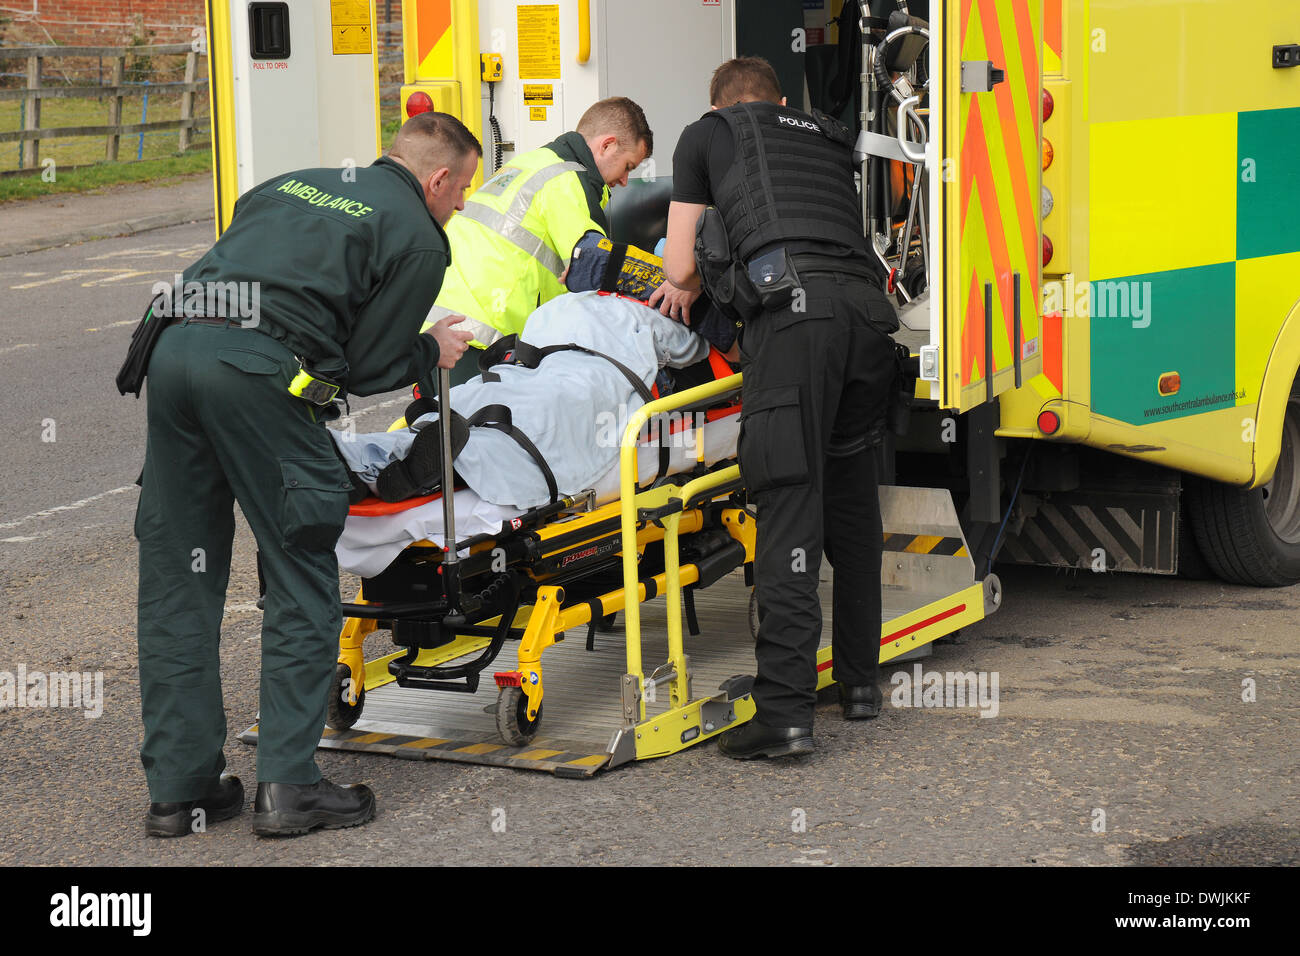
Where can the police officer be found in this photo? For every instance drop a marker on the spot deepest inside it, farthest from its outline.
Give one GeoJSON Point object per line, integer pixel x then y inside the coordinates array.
{"type": "Point", "coordinates": [512, 243]}
{"type": "Point", "coordinates": [819, 366]}
{"type": "Point", "coordinates": [343, 265]}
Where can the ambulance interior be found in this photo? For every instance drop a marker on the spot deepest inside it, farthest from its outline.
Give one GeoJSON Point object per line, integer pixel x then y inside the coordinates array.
{"type": "Point", "coordinates": [821, 69]}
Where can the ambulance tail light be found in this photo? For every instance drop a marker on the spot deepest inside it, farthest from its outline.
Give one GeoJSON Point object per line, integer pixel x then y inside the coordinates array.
{"type": "Point", "coordinates": [1049, 105]}
{"type": "Point", "coordinates": [1047, 251]}
{"type": "Point", "coordinates": [418, 102]}
{"type": "Point", "coordinates": [1049, 423]}
{"type": "Point", "coordinates": [1170, 383]}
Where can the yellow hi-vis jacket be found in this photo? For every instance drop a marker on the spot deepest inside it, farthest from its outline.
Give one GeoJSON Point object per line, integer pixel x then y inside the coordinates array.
{"type": "Point", "coordinates": [513, 240]}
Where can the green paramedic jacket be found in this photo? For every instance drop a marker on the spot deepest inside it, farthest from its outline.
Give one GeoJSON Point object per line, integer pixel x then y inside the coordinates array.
{"type": "Point", "coordinates": [515, 236]}
{"type": "Point", "coordinates": [347, 263]}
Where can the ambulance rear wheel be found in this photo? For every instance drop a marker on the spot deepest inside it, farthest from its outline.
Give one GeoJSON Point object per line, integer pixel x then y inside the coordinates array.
{"type": "Point", "coordinates": [340, 714]}
{"type": "Point", "coordinates": [512, 717]}
{"type": "Point", "coordinates": [1253, 536]}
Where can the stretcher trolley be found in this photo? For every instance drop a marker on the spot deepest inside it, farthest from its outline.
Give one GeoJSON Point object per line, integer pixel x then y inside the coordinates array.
{"type": "Point", "coordinates": [517, 593]}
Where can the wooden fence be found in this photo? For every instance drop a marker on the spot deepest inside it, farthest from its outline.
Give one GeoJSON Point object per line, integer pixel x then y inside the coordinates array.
{"type": "Point", "coordinates": [32, 132]}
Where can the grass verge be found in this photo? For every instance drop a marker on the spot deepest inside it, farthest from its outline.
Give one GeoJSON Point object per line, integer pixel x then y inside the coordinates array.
{"type": "Point", "coordinates": [105, 174]}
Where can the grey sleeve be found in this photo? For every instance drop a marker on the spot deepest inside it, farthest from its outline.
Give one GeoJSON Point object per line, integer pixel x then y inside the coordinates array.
{"type": "Point", "coordinates": [676, 345]}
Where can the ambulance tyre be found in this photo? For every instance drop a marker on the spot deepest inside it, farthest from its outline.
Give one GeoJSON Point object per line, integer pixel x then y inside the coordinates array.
{"type": "Point", "coordinates": [1252, 536]}
{"type": "Point", "coordinates": [340, 714]}
{"type": "Point", "coordinates": [512, 717]}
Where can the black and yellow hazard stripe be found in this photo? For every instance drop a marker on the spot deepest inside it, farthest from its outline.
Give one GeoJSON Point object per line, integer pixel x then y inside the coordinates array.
{"type": "Point", "coordinates": [924, 544]}
{"type": "Point", "coordinates": [489, 750]}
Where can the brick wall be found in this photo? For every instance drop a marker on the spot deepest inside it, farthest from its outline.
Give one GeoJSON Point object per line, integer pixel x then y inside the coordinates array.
{"type": "Point", "coordinates": [110, 22]}
{"type": "Point", "coordinates": [100, 22]}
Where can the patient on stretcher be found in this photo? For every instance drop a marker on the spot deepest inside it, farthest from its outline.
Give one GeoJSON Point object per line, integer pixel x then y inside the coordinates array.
{"type": "Point", "coordinates": [523, 436]}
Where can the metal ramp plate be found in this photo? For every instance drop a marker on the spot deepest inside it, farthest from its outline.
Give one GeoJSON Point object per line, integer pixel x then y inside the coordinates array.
{"type": "Point", "coordinates": [928, 591]}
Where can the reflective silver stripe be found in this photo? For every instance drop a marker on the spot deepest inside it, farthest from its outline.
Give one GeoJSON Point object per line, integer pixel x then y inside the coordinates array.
{"type": "Point", "coordinates": [510, 225]}
{"type": "Point", "coordinates": [482, 331]}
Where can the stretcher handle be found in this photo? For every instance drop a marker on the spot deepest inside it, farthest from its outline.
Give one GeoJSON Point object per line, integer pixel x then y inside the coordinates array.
{"type": "Point", "coordinates": [448, 485]}
{"type": "Point", "coordinates": [906, 114]}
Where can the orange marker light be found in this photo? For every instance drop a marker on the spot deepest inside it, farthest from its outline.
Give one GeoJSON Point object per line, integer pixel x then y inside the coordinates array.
{"type": "Point", "coordinates": [419, 102]}
{"type": "Point", "coordinates": [1049, 153]}
{"type": "Point", "coordinates": [1170, 383]}
{"type": "Point", "coordinates": [1049, 423]}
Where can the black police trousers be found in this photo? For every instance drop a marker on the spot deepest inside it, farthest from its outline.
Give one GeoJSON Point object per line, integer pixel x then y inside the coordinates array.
{"type": "Point", "coordinates": [817, 379]}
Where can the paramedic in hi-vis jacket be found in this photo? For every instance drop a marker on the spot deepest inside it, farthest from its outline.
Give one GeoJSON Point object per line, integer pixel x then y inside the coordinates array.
{"type": "Point", "coordinates": [819, 366]}
{"type": "Point", "coordinates": [514, 238]}
{"type": "Point", "coordinates": [344, 263]}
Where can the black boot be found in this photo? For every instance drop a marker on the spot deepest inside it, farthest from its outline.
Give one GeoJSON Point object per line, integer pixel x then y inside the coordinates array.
{"type": "Point", "coordinates": [758, 740]}
{"type": "Point", "coordinates": [287, 809]}
{"type": "Point", "coordinates": [224, 801]}
{"type": "Point", "coordinates": [861, 702]}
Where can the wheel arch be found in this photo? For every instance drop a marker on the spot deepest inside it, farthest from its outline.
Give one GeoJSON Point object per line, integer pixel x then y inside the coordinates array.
{"type": "Point", "coordinates": [1275, 390]}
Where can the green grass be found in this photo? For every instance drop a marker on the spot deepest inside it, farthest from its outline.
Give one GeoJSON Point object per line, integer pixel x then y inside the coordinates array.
{"type": "Point", "coordinates": [106, 174]}
{"type": "Point", "coordinates": [78, 150]}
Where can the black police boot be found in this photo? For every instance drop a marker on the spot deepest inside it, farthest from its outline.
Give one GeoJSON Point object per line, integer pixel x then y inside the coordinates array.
{"type": "Point", "coordinates": [224, 801]}
{"type": "Point", "coordinates": [287, 809]}
{"type": "Point", "coordinates": [860, 703]}
{"type": "Point", "coordinates": [758, 740]}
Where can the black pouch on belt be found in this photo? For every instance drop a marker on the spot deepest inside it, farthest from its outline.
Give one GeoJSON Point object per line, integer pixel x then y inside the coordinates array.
{"type": "Point", "coordinates": [723, 277]}
{"type": "Point", "coordinates": [774, 276]}
{"type": "Point", "coordinates": [130, 378]}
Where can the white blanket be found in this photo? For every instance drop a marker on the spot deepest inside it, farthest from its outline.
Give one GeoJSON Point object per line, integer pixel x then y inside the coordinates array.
{"type": "Point", "coordinates": [369, 544]}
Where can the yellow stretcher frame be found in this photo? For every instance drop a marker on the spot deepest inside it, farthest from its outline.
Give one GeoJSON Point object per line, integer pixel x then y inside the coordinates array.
{"type": "Point", "coordinates": [676, 511]}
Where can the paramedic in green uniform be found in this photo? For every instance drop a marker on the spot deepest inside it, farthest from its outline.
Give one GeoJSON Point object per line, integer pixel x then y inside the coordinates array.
{"type": "Point", "coordinates": [341, 266]}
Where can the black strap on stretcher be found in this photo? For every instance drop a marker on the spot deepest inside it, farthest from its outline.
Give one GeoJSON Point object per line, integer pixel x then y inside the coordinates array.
{"type": "Point", "coordinates": [498, 417]}
{"type": "Point", "coordinates": [509, 350]}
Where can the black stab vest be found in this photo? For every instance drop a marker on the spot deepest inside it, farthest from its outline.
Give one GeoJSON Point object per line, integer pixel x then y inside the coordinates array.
{"type": "Point", "coordinates": [789, 183]}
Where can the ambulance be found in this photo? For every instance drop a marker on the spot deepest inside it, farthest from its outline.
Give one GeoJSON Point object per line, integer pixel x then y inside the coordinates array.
{"type": "Point", "coordinates": [1087, 213]}
{"type": "Point", "coordinates": [1089, 210]}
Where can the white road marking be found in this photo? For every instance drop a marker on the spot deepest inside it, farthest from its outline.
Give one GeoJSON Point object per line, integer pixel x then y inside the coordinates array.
{"type": "Point", "coordinates": [191, 252]}
{"type": "Point", "coordinates": [114, 325]}
{"type": "Point", "coordinates": [15, 348]}
{"type": "Point", "coordinates": [58, 509]}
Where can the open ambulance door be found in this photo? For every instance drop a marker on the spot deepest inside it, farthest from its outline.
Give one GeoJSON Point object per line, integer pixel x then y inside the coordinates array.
{"type": "Point", "coordinates": [985, 189]}
{"type": "Point", "coordinates": [294, 85]}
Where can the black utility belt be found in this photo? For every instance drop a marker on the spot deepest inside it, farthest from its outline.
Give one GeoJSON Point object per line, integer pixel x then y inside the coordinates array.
{"type": "Point", "coordinates": [813, 264]}
{"type": "Point", "coordinates": [310, 385]}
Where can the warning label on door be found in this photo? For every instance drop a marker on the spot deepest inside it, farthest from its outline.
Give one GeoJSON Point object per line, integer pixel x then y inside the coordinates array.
{"type": "Point", "coordinates": [539, 41]}
{"type": "Point", "coordinates": [539, 94]}
{"type": "Point", "coordinates": [350, 26]}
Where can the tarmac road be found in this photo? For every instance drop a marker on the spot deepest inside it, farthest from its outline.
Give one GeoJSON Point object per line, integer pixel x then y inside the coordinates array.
{"type": "Point", "coordinates": [1121, 734]}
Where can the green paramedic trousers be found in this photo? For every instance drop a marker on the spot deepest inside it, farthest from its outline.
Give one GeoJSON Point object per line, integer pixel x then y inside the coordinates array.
{"type": "Point", "coordinates": [222, 428]}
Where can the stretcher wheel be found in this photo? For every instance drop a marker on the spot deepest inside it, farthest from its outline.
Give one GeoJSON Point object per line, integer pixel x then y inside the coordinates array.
{"type": "Point", "coordinates": [607, 623]}
{"type": "Point", "coordinates": [341, 715]}
{"type": "Point", "coordinates": [753, 613]}
{"type": "Point", "coordinates": [512, 717]}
